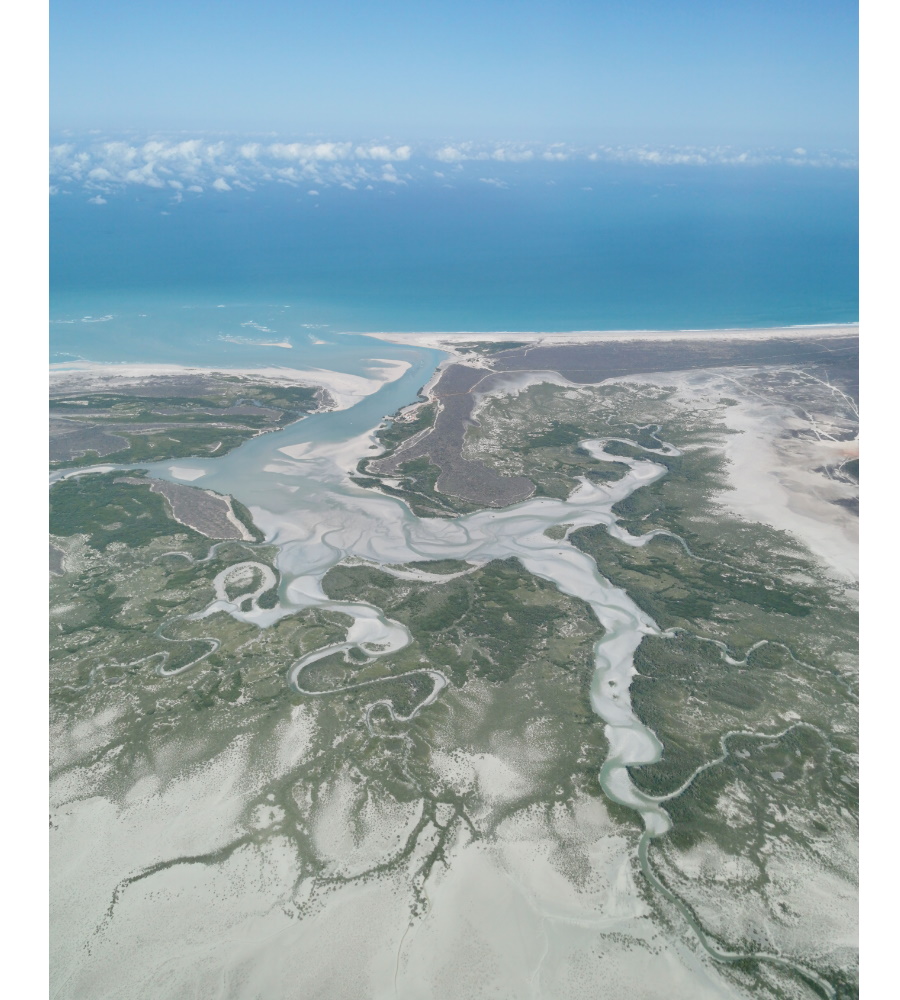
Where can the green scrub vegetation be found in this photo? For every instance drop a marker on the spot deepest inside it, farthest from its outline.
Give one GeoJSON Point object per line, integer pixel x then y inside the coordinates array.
{"type": "Point", "coordinates": [157, 427]}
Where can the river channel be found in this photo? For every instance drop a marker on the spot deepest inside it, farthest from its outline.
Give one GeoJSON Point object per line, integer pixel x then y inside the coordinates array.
{"type": "Point", "coordinates": [296, 484]}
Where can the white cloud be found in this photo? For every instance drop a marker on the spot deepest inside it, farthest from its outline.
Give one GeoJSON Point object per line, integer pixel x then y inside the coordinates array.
{"type": "Point", "coordinates": [313, 192]}
{"type": "Point", "coordinates": [282, 151]}
{"type": "Point", "coordinates": [97, 200]}
{"type": "Point", "coordinates": [120, 153]}
{"type": "Point", "coordinates": [512, 155]}
{"type": "Point", "coordinates": [494, 182]}
{"type": "Point", "coordinates": [304, 152]}
{"type": "Point", "coordinates": [94, 164]}
{"type": "Point", "coordinates": [61, 151]}
{"type": "Point", "coordinates": [501, 152]}
{"type": "Point", "coordinates": [144, 175]}
{"type": "Point", "coordinates": [450, 154]}
{"type": "Point", "coordinates": [389, 174]}
{"type": "Point", "coordinates": [384, 153]}
{"type": "Point", "coordinates": [331, 150]}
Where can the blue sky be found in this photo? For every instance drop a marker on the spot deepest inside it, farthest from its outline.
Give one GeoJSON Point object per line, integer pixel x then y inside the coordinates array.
{"type": "Point", "coordinates": [746, 72]}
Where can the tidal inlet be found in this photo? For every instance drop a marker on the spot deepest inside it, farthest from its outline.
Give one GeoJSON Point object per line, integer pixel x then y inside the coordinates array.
{"type": "Point", "coordinates": [456, 666]}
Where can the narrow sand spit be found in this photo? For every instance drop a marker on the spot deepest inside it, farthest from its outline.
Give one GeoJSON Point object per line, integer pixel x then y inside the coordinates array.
{"type": "Point", "coordinates": [452, 341]}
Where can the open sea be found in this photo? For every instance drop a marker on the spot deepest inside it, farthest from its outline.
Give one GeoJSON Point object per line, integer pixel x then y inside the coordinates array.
{"type": "Point", "coordinates": [215, 278]}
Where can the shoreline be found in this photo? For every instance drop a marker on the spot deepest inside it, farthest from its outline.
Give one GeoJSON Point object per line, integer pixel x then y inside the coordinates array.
{"type": "Point", "coordinates": [450, 341]}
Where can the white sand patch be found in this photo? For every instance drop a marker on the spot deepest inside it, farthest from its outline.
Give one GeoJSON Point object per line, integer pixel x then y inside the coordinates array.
{"type": "Point", "coordinates": [518, 382]}
{"type": "Point", "coordinates": [232, 517]}
{"type": "Point", "coordinates": [505, 920]}
{"type": "Point", "coordinates": [332, 834]}
{"type": "Point", "coordinates": [806, 910]}
{"type": "Point", "coordinates": [512, 384]}
{"type": "Point", "coordinates": [827, 902]}
{"type": "Point", "coordinates": [451, 341]}
{"type": "Point", "coordinates": [243, 574]}
{"type": "Point", "coordinates": [774, 481]}
{"type": "Point", "coordinates": [59, 475]}
{"type": "Point", "coordinates": [352, 832]}
{"type": "Point", "coordinates": [95, 843]}
{"type": "Point", "coordinates": [340, 456]}
{"type": "Point", "coordinates": [707, 860]}
{"type": "Point", "coordinates": [502, 917]}
{"type": "Point", "coordinates": [493, 779]}
{"type": "Point", "coordinates": [295, 736]}
{"type": "Point", "coordinates": [188, 930]}
{"type": "Point", "coordinates": [185, 473]}
{"type": "Point", "coordinates": [775, 461]}
{"type": "Point", "coordinates": [389, 366]}
{"type": "Point", "coordinates": [420, 575]}
{"type": "Point", "coordinates": [85, 737]}
{"type": "Point", "coordinates": [497, 780]}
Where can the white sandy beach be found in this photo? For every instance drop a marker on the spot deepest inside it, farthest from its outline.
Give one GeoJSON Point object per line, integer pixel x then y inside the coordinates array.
{"type": "Point", "coordinates": [452, 341]}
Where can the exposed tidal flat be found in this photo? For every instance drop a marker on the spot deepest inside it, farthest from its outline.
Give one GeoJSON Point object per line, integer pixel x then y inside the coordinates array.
{"type": "Point", "coordinates": [437, 724]}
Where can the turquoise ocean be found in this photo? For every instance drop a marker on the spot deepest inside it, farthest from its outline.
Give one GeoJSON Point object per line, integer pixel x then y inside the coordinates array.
{"type": "Point", "coordinates": [213, 278]}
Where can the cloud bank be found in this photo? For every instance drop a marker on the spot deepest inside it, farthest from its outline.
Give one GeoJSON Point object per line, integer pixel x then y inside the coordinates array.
{"type": "Point", "coordinates": [217, 166]}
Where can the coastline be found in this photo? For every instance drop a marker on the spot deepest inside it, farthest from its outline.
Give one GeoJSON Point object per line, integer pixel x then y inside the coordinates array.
{"type": "Point", "coordinates": [451, 341]}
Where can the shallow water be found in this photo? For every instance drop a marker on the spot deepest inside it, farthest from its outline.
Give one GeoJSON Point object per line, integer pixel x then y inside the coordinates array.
{"type": "Point", "coordinates": [565, 247]}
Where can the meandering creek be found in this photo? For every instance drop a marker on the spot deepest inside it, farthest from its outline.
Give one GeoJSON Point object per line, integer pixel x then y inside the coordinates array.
{"type": "Point", "coordinates": [295, 483]}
